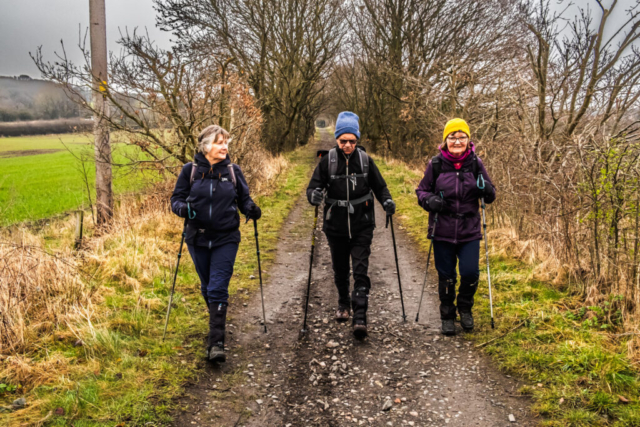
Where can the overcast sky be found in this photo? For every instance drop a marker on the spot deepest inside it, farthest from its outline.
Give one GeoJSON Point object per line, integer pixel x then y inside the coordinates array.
{"type": "Point", "coordinates": [27, 24]}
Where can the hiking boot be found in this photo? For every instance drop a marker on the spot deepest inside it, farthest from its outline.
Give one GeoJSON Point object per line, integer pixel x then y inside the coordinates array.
{"type": "Point", "coordinates": [360, 331]}
{"type": "Point", "coordinates": [448, 327]}
{"type": "Point", "coordinates": [466, 321]}
{"type": "Point", "coordinates": [217, 354]}
{"type": "Point", "coordinates": [342, 314]}
{"type": "Point", "coordinates": [215, 341]}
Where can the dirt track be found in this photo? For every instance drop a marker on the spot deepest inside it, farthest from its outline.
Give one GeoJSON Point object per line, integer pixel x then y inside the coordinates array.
{"type": "Point", "coordinates": [330, 379]}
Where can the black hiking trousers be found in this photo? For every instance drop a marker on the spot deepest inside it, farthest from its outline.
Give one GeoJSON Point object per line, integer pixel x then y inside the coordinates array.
{"type": "Point", "coordinates": [357, 250]}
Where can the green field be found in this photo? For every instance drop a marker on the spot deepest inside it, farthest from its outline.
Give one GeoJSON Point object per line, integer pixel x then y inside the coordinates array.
{"type": "Point", "coordinates": [41, 176]}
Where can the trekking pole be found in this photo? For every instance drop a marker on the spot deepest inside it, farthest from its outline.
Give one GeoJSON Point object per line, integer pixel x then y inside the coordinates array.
{"type": "Point", "coordinates": [395, 252]}
{"type": "Point", "coordinates": [175, 277]}
{"type": "Point", "coordinates": [313, 245]}
{"type": "Point", "coordinates": [264, 313]}
{"type": "Point", "coordinates": [435, 224]}
{"type": "Point", "coordinates": [486, 246]}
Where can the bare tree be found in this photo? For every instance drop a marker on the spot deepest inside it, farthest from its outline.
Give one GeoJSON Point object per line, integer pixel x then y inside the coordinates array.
{"type": "Point", "coordinates": [285, 48]}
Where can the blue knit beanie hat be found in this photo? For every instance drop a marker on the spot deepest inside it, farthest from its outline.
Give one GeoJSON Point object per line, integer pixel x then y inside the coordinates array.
{"type": "Point", "coordinates": [347, 123]}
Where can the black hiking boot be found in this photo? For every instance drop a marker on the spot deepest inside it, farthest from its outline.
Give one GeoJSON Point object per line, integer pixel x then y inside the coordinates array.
{"type": "Point", "coordinates": [360, 331]}
{"type": "Point", "coordinates": [466, 321]}
{"type": "Point", "coordinates": [448, 327]}
{"type": "Point", "coordinates": [360, 303]}
{"type": "Point", "coordinates": [215, 344]}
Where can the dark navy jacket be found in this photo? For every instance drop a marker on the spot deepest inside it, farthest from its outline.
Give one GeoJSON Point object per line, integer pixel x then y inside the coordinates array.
{"type": "Point", "coordinates": [213, 200]}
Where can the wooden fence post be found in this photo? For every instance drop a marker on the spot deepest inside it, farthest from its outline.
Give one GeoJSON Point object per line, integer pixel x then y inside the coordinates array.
{"type": "Point", "coordinates": [79, 220]}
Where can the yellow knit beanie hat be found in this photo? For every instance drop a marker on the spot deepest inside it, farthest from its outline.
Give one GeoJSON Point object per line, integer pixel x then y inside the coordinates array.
{"type": "Point", "coordinates": [456, 125]}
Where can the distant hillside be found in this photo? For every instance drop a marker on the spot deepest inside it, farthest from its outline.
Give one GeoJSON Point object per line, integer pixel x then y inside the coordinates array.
{"type": "Point", "coordinates": [23, 98]}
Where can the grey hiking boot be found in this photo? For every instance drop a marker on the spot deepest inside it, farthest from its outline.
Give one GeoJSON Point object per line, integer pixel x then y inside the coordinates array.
{"type": "Point", "coordinates": [448, 327]}
{"type": "Point", "coordinates": [217, 354]}
{"type": "Point", "coordinates": [466, 321]}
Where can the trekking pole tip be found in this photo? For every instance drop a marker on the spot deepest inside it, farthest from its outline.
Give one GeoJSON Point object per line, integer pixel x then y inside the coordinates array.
{"type": "Point", "coordinates": [493, 325]}
{"type": "Point", "coordinates": [417, 316]}
{"type": "Point", "coordinates": [265, 329]}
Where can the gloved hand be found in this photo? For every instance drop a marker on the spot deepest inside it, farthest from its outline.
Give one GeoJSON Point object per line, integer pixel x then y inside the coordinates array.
{"type": "Point", "coordinates": [254, 212]}
{"type": "Point", "coordinates": [316, 197]}
{"type": "Point", "coordinates": [435, 203]}
{"type": "Point", "coordinates": [389, 206]}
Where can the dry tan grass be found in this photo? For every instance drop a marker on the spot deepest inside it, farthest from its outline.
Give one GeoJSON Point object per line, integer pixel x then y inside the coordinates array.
{"type": "Point", "coordinates": [55, 293]}
{"type": "Point", "coordinates": [38, 289]}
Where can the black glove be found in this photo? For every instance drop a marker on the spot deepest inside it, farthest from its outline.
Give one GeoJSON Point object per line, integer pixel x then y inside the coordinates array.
{"type": "Point", "coordinates": [254, 212]}
{"type": "Point", "coordinates": [316, 197]}
{"type": "Point", "coordinates": [389, 206]}
{"type": "Point", "coordinates": [435, 204]}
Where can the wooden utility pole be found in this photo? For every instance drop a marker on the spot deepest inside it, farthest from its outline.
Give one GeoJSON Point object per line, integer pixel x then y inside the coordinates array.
{"type": "Point", "coordinates": [102, 145]}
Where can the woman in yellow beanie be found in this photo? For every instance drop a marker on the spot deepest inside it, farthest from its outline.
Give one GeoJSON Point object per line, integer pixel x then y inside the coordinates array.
{"type": "Point", "coordinates": [450, 190]}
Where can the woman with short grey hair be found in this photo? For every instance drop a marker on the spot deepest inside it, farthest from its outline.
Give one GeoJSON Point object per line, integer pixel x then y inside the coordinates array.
{"type": "Point", "coordinates": [208, 194]}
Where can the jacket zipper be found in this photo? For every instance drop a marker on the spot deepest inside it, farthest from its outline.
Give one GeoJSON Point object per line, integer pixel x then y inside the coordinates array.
{"type": "Point", "coordinates": [455, 238]}
{"type": "Point", "coordinates": [348, 202]}
{"type": "Point", "coordinates": [211, 197]}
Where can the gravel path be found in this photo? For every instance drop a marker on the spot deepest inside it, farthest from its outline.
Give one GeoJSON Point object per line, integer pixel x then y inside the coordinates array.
{"type": "Point", "coordinates": [403, 374]}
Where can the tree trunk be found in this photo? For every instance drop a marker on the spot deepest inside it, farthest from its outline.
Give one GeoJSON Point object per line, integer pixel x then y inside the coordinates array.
{"type": "Point", "coordinates": [102, 146]}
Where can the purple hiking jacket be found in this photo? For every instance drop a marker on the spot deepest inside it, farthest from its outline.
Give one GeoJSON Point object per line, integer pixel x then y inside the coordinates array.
{"type": "Point", "coordinates": [460, 220]}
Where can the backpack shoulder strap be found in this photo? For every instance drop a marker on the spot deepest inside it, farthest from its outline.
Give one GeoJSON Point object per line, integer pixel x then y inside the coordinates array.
{"type": "Point", "coordinates": [194, 168]}
{"type": "Point", "coordinates": [333, 163]}
{"type": "Point", "coordinates": [364, 162]}
{"type": "Point", "coordinates": [232, 175]}
{"type": "Point", "coordinates": [475, 168]}
{"type": "Point", "coordinates": [436, 164]}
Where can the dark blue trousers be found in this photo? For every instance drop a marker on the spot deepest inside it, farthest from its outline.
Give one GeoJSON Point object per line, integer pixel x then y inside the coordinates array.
{"type": "Point", "coordinates": [215, 268]}
{"type": "Point", "coordinates": [446, 255]}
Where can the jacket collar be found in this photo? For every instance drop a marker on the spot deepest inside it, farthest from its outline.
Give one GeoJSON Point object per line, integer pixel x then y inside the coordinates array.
{"type": "Point", "coordinates": [463, 160]}
{"type": "Point", "coordinates": [202, 160]}
{"type": "Point", "coordinates": [342, 154]}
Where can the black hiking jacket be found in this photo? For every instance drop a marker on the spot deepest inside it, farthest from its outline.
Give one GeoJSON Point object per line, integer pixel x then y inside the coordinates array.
{"type": "Point", "coordinates": [363, 218]}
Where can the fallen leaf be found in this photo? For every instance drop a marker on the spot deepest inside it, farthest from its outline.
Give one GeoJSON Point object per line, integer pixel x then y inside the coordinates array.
{"type": "Point", "coordinates": [59, 411]}
{"type": "Point", "coordinates": [623, 399]}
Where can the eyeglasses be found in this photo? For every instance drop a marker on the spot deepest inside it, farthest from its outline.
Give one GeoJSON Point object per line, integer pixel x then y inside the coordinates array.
{"type": "Point", "coordinates": [347, 141]}
{"type": "Point", "coordinates": [454, 139]}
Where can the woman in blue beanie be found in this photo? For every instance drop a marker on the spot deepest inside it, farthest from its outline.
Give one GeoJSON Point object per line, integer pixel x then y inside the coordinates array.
{"type": "Point", "coordinates": [351, 180]}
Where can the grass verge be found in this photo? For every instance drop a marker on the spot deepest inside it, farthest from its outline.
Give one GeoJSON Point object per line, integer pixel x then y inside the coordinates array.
{"type": "Point", "coordinates": [576, 366]}
{"type": "Point", "coordinates": [42, 176]}
{"type": "Point", "coordinates": [106, 363]}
